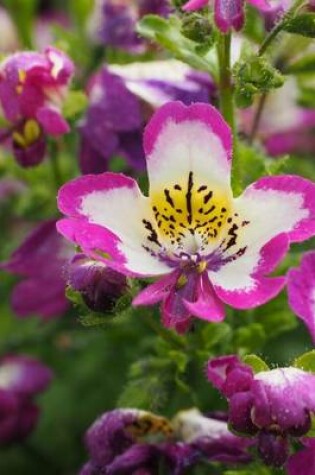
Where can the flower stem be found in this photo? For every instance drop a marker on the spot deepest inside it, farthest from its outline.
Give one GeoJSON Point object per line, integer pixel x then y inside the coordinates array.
{"type": "Point", "coordinates": [55, 167]}
{"type": "Point", "coordinates": [166, 335]}
{"type": "Point", "coordinates": [227, 99]}
{"type": "Point", "coordinates": [257, 117]}
{"type": "Point", "coordinates": [279, 26]}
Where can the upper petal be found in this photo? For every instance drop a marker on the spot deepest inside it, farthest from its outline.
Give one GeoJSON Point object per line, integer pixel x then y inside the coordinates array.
{"type": "Point", "coordinates": [180, 139]}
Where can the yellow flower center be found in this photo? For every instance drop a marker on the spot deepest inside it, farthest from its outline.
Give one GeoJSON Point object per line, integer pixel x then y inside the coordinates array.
{"type": "Point", "coordinates": [191, 208]}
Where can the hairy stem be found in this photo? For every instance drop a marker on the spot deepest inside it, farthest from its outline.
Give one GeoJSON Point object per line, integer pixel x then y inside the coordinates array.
{"type": "Point", "coordinates": [227, 99]}
{"type": "Point", "coordinates": [257, 117]}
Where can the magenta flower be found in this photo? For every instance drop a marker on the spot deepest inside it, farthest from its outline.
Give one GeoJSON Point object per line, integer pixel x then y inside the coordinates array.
{"type": "Point", "coordinates": [303, 462]}
{"type": "Point", "coordinates": [228, 14]}
{"type": "Point", "coordinates": [21, 379]}
{"type": "Point", "coordinates": [40, 261]}
{"type": "Point", "coordinates": [33, 87]}
{"type": "Point", "coordinates": [301, 291]}
{"type": "Point", "coordinates": [207, 248]}
{"type": "Point", "coordinates": [118, 443]}
{"type": "Point", "coordinates": [275, 405]}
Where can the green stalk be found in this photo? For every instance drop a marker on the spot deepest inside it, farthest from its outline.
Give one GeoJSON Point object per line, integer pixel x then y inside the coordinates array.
{"type": "Point", "coordinates": [55, 166]}
{"type": "Point", "coordinates": [227, 100]}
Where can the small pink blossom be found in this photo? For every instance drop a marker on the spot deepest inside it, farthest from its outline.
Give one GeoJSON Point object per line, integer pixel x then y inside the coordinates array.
{"type": "Point", "coordinates": [33, 87]}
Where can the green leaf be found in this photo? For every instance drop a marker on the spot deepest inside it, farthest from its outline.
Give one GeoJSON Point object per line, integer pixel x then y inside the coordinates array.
{"type": "Point", "coordinates": [311, 432]}
{"type": "Point", "coordinates": [276, 317]}
{"type": "Point", "coordinates": [306, 362]}
{"type": "Point", "coordinates": [256, 363]}
{"type": "Point", "coordinates": [250, 337]}
{"type": "Point", "coordinates": [167, 33]}
{"type": "Point", "coordinates": [215, 333]}
{"type": "Point", "coordinates": [303, 24]}
{"type": "Point", "coordinates": [75, 103]}
{"type": "Point", "coordinates": [302, 65]}
{"type": "Point", "coordinates": [23, 13]}
{"type": "Point", "coordinates": [80, 10]}
{"type": "Point", "coordinates": [254, 75]}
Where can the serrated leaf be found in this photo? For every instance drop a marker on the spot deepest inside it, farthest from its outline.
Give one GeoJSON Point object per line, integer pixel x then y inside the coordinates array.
{"type": "Point", "coordinates": [306, 362]}
{"type": "Point", "coordinates": [256, 363]}
{"type": "Point", "coordinates": [303, 24]}
{"type": "Point", "coordinates": [167, 33]}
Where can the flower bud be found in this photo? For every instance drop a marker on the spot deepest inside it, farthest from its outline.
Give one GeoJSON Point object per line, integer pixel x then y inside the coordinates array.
{"type": "Point", "coordinates": [197, 28]}
{"type": "Point", "coordinates": [99, 286]}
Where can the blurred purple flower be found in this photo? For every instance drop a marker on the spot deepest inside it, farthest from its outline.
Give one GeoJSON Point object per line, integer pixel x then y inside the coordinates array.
{"type": "Point", "coordinates": [301, 291]}
{"type": "Point", "coordinates": [10, 187]}
{"type": "Point", "coordinates": [117, 445]}
{"type": "Point", "coordinates": [284, 126]}
{"type": "Point", "coordinates": [113, 22]}
{"type": "Point", "coordinates": [275, 406]}
{"type": "Point", "coordinates": [21, 379]}
{"type": "Point", "coordinates": [122, 98]}
{"type": "Point", "coordinates": [99, 285]}
{"type": "Point", "coordinates": [40, 261]}
{"type": "Point", "coordinates": [33, 87]}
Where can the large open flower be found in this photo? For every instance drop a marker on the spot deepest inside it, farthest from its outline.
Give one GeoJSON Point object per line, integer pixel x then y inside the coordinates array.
{"type": "Point", "coordinates": [207, 247]}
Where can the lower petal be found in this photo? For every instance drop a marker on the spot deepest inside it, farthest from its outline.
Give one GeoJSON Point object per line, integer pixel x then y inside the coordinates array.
{"type": "Point", "coordinates": [207, 305]}
{"type": "Point", "coordinates": [154, 293]}
{"type": "Point", "coordinates": [261, 291]}
{"type": "Point", "coordinates": [52, 121]}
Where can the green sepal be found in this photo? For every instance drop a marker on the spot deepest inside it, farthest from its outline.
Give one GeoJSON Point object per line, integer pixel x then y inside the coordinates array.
{"type": "Point", "coordinates": [306, 362]}
{"type": "Point", "coordinates": [256, 363]}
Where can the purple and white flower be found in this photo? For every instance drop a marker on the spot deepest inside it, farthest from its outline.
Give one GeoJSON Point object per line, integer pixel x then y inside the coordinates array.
{"type": "Point", "coordinates": [206, 247]}
{"type": "Point", "coordinates": [121, 98]}
{"type": "Point", "coordinates": [301, 291]}
{"type": "Point", "coordinates": [276, 406]}
{"type": "Point", "coordinates": [40, 262]}
{"type": "Point", "coordinates": [284, 126]}
{"type": "Point", "coordinates": [21, 379]}
{"type": "Point", "coordinates": [33, 87]}
{"type": "Point", "coordinates": [120, 442]}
